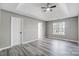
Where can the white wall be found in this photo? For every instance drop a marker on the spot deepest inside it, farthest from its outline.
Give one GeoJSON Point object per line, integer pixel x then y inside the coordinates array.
{"type": "Point", "coordinates": [4, 30]}
{"type": "Point", "coordinates": [78, 29]}
{"type": "Point", "coordinates": [71, 30]}
{"type": "Point", "coordinates": [30, 28]}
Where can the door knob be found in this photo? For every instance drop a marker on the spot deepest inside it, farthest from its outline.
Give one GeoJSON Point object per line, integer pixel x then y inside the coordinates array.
{"type": "Point", "coordinates": [20, 32]}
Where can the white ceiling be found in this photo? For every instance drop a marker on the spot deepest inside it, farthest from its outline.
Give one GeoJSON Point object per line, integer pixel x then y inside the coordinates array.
{"type": "Point", "coordinates": [62, 10]}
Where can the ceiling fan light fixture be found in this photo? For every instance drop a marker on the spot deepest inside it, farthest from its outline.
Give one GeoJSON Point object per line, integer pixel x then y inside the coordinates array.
{"type": "Point", "coordinates": [48, 9]}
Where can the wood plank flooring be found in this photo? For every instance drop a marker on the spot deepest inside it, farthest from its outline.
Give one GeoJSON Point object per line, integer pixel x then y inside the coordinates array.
{"type": "Point", "coordinates": [44, 47]}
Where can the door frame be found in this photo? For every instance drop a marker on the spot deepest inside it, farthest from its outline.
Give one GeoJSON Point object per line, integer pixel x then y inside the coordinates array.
{"type": "Point", "coordinates": [40, 30]}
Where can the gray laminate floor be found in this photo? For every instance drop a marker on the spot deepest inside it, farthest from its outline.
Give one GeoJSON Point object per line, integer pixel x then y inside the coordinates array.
{"type": "Point", "coordinates": [44, 47]}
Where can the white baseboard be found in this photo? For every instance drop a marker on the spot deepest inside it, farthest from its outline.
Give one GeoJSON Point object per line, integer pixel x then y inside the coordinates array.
{"type": "Point", "coordinates": [25, 42]}
{"type": "Point", "coordinates": [16, 45]}
{"type": "Point", "coordinates": [65, 39]}
{"type": "Point", "coordinates": [5, 48]}
{"type": "Point", "coordinates": [29, 41]}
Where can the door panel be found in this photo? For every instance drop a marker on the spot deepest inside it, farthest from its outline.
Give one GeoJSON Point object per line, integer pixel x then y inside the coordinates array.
{"type": "Point", "coordinates": [15, 31]}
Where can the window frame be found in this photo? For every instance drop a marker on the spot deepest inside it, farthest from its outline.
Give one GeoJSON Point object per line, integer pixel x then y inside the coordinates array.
{"type": "Point", "coordinates": [57, 28]}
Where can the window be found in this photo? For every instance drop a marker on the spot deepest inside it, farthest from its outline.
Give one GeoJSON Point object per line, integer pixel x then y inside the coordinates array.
{"type": "Point", "coordinates": [59, 28]}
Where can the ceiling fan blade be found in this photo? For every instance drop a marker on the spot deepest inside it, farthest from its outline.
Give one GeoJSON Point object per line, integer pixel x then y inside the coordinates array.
{"type": "Point", "coordinates": [44, 10]}
{"type": "Point", "coordinates": [51, 10]}
{"type": "Point", "coordinates": [43, 7]}
{"type": "Point", "coordinates": [53, 6]}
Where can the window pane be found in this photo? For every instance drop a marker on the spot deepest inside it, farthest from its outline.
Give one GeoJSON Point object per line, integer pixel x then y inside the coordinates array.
{"type": "Point", "coordinates": [59, 28]}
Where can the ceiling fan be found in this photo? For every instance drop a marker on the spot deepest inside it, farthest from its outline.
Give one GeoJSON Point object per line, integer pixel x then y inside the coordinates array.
{"type": "Point", "coordinates": [48, 7]}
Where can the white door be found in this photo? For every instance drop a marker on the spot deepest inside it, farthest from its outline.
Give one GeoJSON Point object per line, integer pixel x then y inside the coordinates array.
{"type": "Point", "coordinates": [40, 33]}
{"type": "Point", "coordinates": [16, 31]}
